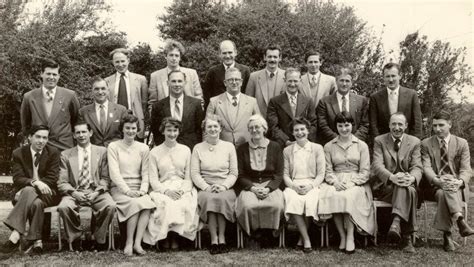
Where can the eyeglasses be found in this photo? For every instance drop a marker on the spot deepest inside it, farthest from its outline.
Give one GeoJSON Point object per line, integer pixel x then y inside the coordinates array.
{"type": "Point", "coordinates": [233, 80]}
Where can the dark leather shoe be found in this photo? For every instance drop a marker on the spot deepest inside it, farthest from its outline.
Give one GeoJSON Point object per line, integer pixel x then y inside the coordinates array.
{"type": "Point", "coordinates": [464, 228]}
{"type": "Point", "coordinates": [448, 244]}
{"type": "Point", "coordinates": [76, 245]}
{"type": "Point", "coordinates": [409, 248]}
{"type": "Point", "coordinates": [223, 248]}
{"type": "Point", "coordinates": [394, 235]}
{"type": "Point", "coordinates": [9, 247]}
{"type": "Point", "coordinates": [307, 250]}
{"type": "Point", "coordinates": [100, 247]}
{"type": "Point", "coordinates": [214, 249]}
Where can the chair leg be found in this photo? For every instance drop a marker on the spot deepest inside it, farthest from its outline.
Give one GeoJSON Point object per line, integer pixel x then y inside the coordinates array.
{"type": "Point", "coordinates": [239, 236]}
{"type": "Point", "coordinates": [376, 225]}
{"type": "Point", "coordinates": [326, 227]}
{"type": "Point", "coordinates": [321, 230]}
{"type": "Point", "coordinates": [425, 221]}
{"type": "Point", "coordinates": [282, 238]}
{"type": "Point", "coordinates": [465, 218]}
{"type": "Point", "coordinates": [60, 246]}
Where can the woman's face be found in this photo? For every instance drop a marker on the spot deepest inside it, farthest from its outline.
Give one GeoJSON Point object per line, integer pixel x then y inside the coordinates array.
{"type": "Point", "coordinates": [344, 129]}
{"type": "Point", "coordinates": [171, 132]}
{"type": "Point", "coordinates": [212, 128]}
{"type": "Point", "coordinates": [130, 130]}
{"type": "Point", "coordinates": [300, 132]}
{"type": "Point", "coordinates": [256, 130]}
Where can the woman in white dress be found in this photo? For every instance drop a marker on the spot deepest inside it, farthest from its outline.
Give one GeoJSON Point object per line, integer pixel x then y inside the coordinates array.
{"type": "Point", "coordinates": [173, 192]}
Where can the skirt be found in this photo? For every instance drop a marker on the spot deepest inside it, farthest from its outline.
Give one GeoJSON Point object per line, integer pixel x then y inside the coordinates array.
{"type": "Point", "coordinates": [129, 206]}
{"type": "Point", "coordinates": [222, 203]}
{"type": "Point", "coordinates": [179, 216]}
{"type": "Point", "coordinates": [302, 204]}
{"type": "Point", "coordinates": [253, 213]}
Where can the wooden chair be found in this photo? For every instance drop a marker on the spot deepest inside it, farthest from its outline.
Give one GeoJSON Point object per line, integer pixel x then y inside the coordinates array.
{"type": "Point", "coordinates": [241, 236]}
{"type": "Point", "coordinates": [382, 204]}
{"type": "Point", "coordinates": [425, 221]}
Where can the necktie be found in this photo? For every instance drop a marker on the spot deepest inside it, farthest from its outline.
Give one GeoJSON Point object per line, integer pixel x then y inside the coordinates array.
{"type": "Point", "coordinates": [84, 178]}
{"type": "Point", "coordinates": [49, 95]}
{"type": "Point", "coordinates": [103, 118]}
{"type": "Point", "coordinates": [122, 98]}
{"type": "Point", "coordinates": [313, 81]}
{"type": "Point", "coordinates": [444, 169]}
{"type": "Point", "coordinates": [272, 75]}
{"type": "Point", "coordinates": [396, 146]}
{"type": "Point", "coordinates": [392, 103]}
{"type": "Point", "coordinates": [177, 111]}
{"type": "Point", "coordinates": [293, 104]}
{"type": "Point", "coordinates": [234, 101]}
{"type": "Point", "coordinates": [37, 159]}
{"type": "Point", "coordinates": [344, 104]}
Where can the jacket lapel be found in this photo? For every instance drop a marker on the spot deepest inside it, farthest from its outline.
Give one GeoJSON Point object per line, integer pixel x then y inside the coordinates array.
{"type": "Point", "coordinates": [436, 152]}
{"type": "Point", "coordinates": [39, 106]}
{"type": "Point", "coordinates": [353, 107]}
{"type": "Point", "coordinates": [222, 105]}
{"type": "Point", "coordinates": [305, 87]}
{"type": "Point", "coordinates": [403, 150]}
{"type": "Point", "coordinates": [164, 82]}
{"type": "Point", "coordinates": [452, 147]}
{"type": "Point", "coordinates": [94, 162]}
{"type": "Point", "coordinates": [243, 105]}
{"type": "Point", "coordinates": [111, 81]}
{"type": "Point", "coordinates": [285, 104]}
{"type": "Point", "coordinates": [301, 103]}
{"type": "Point", "coordinates": [26, 155]}
{"type": "Point", "coordinates": [185, 109]}
{"type": "Point", "coordinates": [263, 86]}
{"type": "Point", "coordinates": [57, 105]}
{"type": "Point", "coordinates": [402, 99]}
{"type": "Point", "coordinates": [335, 104]}
{"type": "Point", "coordinates": [74, 163]}
{"type": "Point", "coordinates": [133, 85]}
{"type": "Point", "coordinates": [93, 117]}
{"type": "Point", "coordinates": [389, 143]}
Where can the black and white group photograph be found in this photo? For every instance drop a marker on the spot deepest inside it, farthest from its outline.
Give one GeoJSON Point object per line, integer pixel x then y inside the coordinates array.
{"type": "Point", "coordinates": [236, 132]}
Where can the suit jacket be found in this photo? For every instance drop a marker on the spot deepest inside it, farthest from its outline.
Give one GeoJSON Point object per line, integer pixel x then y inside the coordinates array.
{"type": "Point", "coordinates": [279, 117]}
{"type": "Point", "coordinates": [327, 85]}
{"type": "Point", "coordinates": [235, 131]}
{"type": "Point", "coordinates": [112, 131]}
{"type": "Point", "coordinates": [64, 113]}
{"type": "Point", "coordinates": [214, 82]}
{"type": "Point", "coordinates": [159, 85]}
{"type": "Point", "coordinates": [22, 168]}
{"type": "Point", "coordinates": [408, 103]}
{"type": "Point", "coordinates": [138, 94]}
{"type": "Point", "coordinates": [384, 161]}
{"type": "Point", "coordinates": [458, 157]}
{"type": "Point", "coordinates": [69, 170]}
{"type": "Point", "coordinates": [193, 115]}
{"type": "Point", "coordinates": [257, 87]}
{"type": "Point", "coordinates": [327, 110]}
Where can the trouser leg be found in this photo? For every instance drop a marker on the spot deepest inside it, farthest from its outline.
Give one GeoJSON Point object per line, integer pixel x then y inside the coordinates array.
{"type": "Point", "coordinates": [103, 211]}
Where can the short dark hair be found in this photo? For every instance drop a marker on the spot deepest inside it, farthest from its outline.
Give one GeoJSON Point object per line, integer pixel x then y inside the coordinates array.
{"type": "Point", "coordinates": [81, 122]}
{"type": "Point", "coordinates": [390, 65]}
{"type": "Point", "coordinates": [170, 121]}
{"type": "Point", "coordinates": [344, 117]}
{"type": "Point", "coordinates": [300, 120]}
{"type": "Point", "coordinates": [442, 115]}
{"type": "Point", "coordinates": [49, 63]}
{"type": "Point", "coordinates": [312, 53]}
{"type": "Point", "coordinates": [97, 79]}
{"type": "Point", "coordinates": [129, 118]}
{"type": "Point", "coordinates": [273, 47]}
{"type": "Point", "coordinates": [119, 50]}
{"type": "Point", "coordinates": [34, 128]}
{"type": "Point", "coordinates": [176, 71]}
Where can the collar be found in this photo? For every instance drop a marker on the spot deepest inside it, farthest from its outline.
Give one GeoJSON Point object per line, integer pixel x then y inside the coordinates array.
{"type": "Point", "coordinates": [396, 90]}
{"type": "Point", "coordinates": [168, 70]}
{"type": "Point", "coordinates": [289, 95]}
{"type": "Point", "coordinates": [317, 75]}
{"type": "Point", "coordinates": [229, 96]}
{"type": "Point", "coordinates": [306, 147]}
{"type": "Point", "coordinates": [269, 72]}
{"type": "Point", "coordinates": [446, 139]}
{"type": "Point", "coordinates": [263, 145]}
{"type": "Point", "coordinates": [401, 138]}
{"type": "Point", "coordinates": [53, 91]}
{"type": "Point", "coordinates": [126, 74]}
{"type": "Point", "coordinates": [181, 98]}
{"type": "Point", "coordinates": [97, 105]}
{"type": "Point", "coordinates": [231, 65]}
{"type": "Point", "coordinates": [339, 96]}
{"type": "Point", "coordinates": [33, 152]}
{"type": "Point", "coordinates": [87, 148]}
{"type": "Point", "coordinates": [354, 139]}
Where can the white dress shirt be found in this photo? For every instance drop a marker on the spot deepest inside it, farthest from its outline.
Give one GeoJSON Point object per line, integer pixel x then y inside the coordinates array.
{"type": "Point", "coordinates": [393, 99]}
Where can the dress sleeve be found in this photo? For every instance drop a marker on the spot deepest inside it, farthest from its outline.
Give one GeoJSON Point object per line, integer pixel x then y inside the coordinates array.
{"type": "Point", "coordinates": [187, 183]}
{"type": "Point", "coordinates": [364, 165]}
{"type": "Point", "coordinates": [330, 176]}
{"type": "Point", "coordinates": [233, 169]}
{"type": "Point", "coordinates": [145, 166]}
{"type": "Point", "coordinates": [196, 170]}
{"type": "Point", "coordinates": [154, 173]}
{"type": "Point", "coordinates": [320, 166]}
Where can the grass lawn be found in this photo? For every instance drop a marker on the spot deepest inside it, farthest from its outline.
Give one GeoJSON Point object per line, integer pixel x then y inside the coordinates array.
{"type": "Point", "coordinates": [430, 253]}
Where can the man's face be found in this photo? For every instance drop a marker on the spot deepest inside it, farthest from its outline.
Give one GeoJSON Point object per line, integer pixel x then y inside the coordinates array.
{"type": "Point", "coordinates": [82, 135]}
{"type": "Point", "coordinates": [397, 125]}
{"type": "Point", "coordinates": [100, 92]}
{"type": "Point", "coordinates": [173, 58]}
{"type": "Point", "coordinates": [176, 84]}
{"type": "Point", "coordinates": [391, 78]}
{"type": "Point", "coordinates": [292, 81]}
{"type": "Point", "coordinates": [227, 53]}
{"type": "Point", "coordinates": [50, 77]}
{"type": "Point", "coordinates": [120, 62]}
{"type": "Point", "coordinates": [441, 128]}
{"type": "Point", "coordinates": [272, 58]}
{"type": "Point", "coordinates": [313, 64]}
{"type": "Point", "coordinates": [344, 84]}
{"type": "Point", "coordinates": [233, 82]}
{"type": "Point", "coordinates": [38, 140]}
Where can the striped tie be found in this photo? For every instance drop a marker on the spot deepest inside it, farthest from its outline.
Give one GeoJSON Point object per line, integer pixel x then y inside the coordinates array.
{"type": "Point", "coordinates": [444, 169]}
{"type": "Point", "coordinates": [84, 181]}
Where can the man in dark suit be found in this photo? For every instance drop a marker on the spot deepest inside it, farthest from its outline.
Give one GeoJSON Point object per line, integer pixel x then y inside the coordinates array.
{"type": "Point", "coordinates": [447, 171]}
{"type": "Point", "coordinates": [51, 105]}
{"type": "Point", "coordinates": [342, 100]}
{"type": "Point", "coordinates": [103, 115]}
{"type": "Point", "coordinates": [394, 98]}
{"type": "Point", "coordinates": [185, 108]}
{"type": "Point", "coordinates": [35, 174]}
{"type": "Point", "coordinates": [84, 181]}
{"type": "Point", "coordinates": [214, 82]}
{"type": "Point", "coordinates": [284, 108]}
{"type": "Point", "coordinates": [397, 173]}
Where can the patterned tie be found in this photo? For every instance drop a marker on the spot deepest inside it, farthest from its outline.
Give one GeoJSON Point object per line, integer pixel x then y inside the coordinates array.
{"type": "Point", "coordinates": [49, 95]}
{"type": "Point", "coordinates": [396, 146]}
{"type": "Point", "coordinates": [103, 118]}
{"type": "Point", "coordinates": [293, 104]}
{"type": "Point", "coordinates": [84, 181]}
{"type": "Point", "coordinates": [122, 98]}
{"type": "Point", "coordinates": [177, 111]}
{"type": "Point", "coordinates": [344, 104]}
{"type": "Point", "coordinates": [37, 159]}
{"type": "Point", "coordinates": [272, 75]}
{"type": "Point", "coordinates": [234, 101]}
{"type": "Point", "coordinates": [444, 169]}
{"type": "Point", "coordinates": [313, 81]}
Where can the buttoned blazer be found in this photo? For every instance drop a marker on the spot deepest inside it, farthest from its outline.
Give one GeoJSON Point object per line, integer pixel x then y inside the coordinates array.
{"type": "Point", "coordinates": [138, 97]}
{"type": "Point", "coordinates": [327, 85]}
{"type": "Point", "coordinates": [64, 113]}
{"type": "Point", "coordinates": [258, 87]}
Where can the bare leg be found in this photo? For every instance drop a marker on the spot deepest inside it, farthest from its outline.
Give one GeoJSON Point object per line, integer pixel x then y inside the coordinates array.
{"type": "Point", "coordinates": [174, 241]}
{"type": "Point", "coordinates": [131, 226]}
{"type": "Point", "coordinates": [338, 221]}
{"type": "Point", "coordinates": [141, 227]}
{"type": "Point", "coordinates": [350, 245]}
{"type": "Point", "coordinates": [221, 221]}
{"type": "Point", "coordinates": [301, 223]}
{"type": "Point", "coordinates": [212, 224]}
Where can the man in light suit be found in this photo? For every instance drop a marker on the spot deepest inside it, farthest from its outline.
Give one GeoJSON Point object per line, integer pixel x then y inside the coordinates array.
{"type": "Point", "coordinates": [180, 106]}
{"type": "Point", "coordinates": [128, 89]}
{"type": "Point", "coordinates": [84, 181]}
{"type": "Point", "coordinates": [159, 79]}
{"type": "Point", "coordinates": [397, 173]}
{"type": "Point", "coordinates": [269, 82]}
{"type": "Point", "coordinates": [315, 84]}
{"type": "Point", "coordinates": [214, 82]}
{"type": "Point", "coordinates": [284, 108]}
{"type": "Point", "coordinates": [342, 100]}
{"type": "Point", "coordinates": [51, 105]}
{"type": "Point", "coordinates": [35, 171]}
{"type": "Point", "coordinates": [234, 108]}
{"type": "Point", "coordinates": [447, 171]}
{"type": "Point", "coordinates": [103, 116]}
{"type": "Point", "coordinates": [394, 98]}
